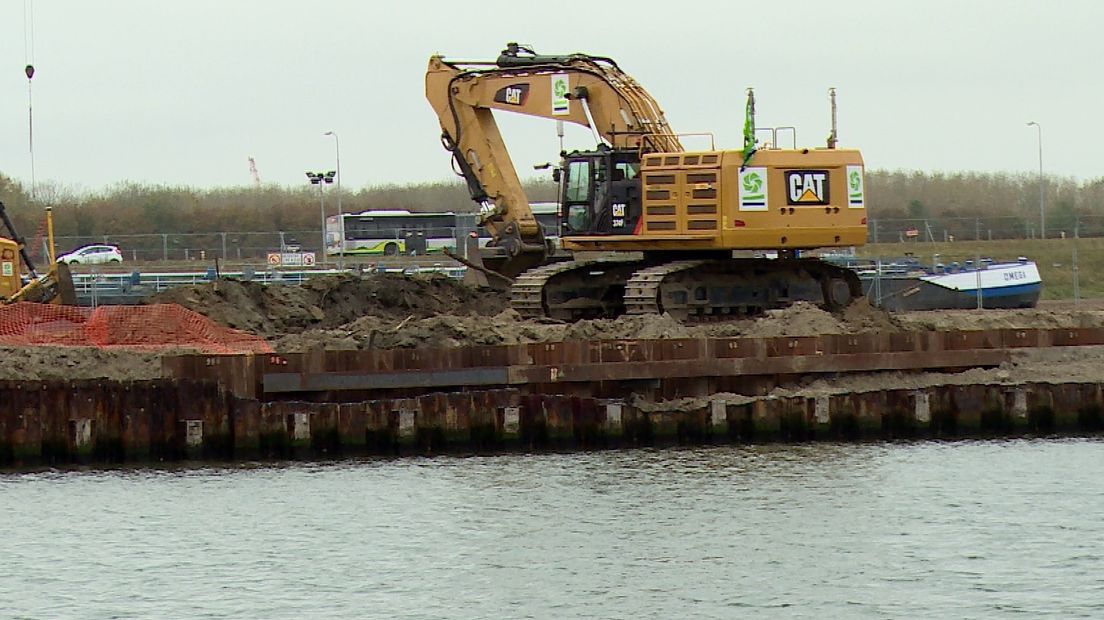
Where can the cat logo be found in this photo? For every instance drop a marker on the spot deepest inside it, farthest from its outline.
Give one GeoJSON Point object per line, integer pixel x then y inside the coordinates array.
{"type": "Point", "coordinates": [807, 187]}
{"type": "Point", "coordinates": [514, 94]}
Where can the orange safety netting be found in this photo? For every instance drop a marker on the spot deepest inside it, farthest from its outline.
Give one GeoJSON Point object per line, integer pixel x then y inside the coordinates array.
{"type": "Point", "coordinates": [153, 328]}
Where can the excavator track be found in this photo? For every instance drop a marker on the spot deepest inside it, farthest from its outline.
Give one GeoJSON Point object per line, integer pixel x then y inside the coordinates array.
{"type": "Point", "coordinates": [689, 290]}
{"type": "Point", "coordinates": [527, 291]}
{"type": "Point", "coordinates": [573, 289]}
{"type": "Point", "coordinates": [642, 289]}
{"type": "Point", "coordinates": [714, 289]}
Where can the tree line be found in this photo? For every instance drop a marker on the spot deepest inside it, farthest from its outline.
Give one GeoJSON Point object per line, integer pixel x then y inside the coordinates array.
{"type": "Point", "coordinates": [130, 208]}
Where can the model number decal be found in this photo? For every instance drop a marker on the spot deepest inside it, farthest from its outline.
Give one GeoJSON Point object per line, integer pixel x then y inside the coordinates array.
{"type": "Point", "coordinates": [618, 215]}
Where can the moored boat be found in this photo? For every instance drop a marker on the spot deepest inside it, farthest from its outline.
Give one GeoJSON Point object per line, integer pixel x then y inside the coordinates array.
{"type": "Point", "coordinates": [907, 285]}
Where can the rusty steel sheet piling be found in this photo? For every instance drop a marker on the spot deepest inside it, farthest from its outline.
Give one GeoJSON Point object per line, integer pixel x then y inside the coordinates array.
{"type": "Point", "coordinates": [542, 396]}
{"type": "Point", "coordinates": [57, 423]}
{"type": "Point", "coordinates": [656, 368]}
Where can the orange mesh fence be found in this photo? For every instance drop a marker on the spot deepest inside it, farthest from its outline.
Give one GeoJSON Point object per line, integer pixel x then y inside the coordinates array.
{"type": "Point", "coordinates": [152, 328]}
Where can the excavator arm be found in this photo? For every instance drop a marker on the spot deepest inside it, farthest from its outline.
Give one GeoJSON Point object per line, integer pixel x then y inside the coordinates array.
{"type": "Point", "coordinates": [591, 91]}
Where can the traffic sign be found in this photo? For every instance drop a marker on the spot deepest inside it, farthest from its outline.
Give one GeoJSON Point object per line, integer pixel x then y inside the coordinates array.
{"type": "Point", "coordinates": [274, 259]}
{"type": "Point", "coordinates": [308, 259]}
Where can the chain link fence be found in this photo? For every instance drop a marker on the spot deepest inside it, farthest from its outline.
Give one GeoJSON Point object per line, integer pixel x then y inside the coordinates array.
{"type": "Point", "coordinates": [950, 229]}
{"type": "Point", "coordinates": [254, 245]}
{"type": "Point", "coordinates": [1070, 259]}
{"type": "Point", "coordinates": [226, 246]}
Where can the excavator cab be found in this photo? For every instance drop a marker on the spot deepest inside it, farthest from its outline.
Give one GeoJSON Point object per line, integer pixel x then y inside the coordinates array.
{"type": "Point", "coordinates": [600, 192]}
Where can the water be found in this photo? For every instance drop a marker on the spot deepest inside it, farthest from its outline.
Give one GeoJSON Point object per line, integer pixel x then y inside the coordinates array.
{"type": "Point", "coordinates": [936, 530]}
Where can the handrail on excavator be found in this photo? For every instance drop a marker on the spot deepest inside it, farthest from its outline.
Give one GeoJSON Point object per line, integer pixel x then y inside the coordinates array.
{"type": "Point", "coordinates": [695, 134]}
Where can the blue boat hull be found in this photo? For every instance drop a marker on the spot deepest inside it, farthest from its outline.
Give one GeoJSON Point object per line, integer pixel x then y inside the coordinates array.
{"type": "Point", "coordinates": [909, 293]}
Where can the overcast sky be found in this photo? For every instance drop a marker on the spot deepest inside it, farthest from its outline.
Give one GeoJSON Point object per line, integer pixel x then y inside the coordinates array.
{"type": "Point", "coordinates": [183, 92]}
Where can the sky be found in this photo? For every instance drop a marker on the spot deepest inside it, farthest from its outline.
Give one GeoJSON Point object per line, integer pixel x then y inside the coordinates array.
{"type": "Point", "coordinates": [183, 92]}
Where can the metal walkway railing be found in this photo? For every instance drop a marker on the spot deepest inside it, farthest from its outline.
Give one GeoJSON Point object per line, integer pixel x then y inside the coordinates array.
{"type": "Point", "coordinates": [95, 288]}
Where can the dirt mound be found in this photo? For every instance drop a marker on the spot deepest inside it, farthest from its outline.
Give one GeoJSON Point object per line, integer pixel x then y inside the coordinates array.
{"type": "Point", "coordinates": [1040, 318]}
{"type": "Point", "coordinates": [800, 319]}
{"type": "Point", "coordinates": [51, 362]}
{"type": "Point", "coordinates": [861, 317]}
{"type": "Point", "coordinates": [393, 311]}
{"type": "Point", "coordinates": [396, 311]}
{"type": "Point", "coordinates": [629, 326]}
{"type": "Point", "coordinates": [372, 332]}
{"type": "Point", "coordinates": [507, 327]}
{"type": "Point", "coordinates": [806, 319]}
{"type": "Point", "coordinates": [275, 310]}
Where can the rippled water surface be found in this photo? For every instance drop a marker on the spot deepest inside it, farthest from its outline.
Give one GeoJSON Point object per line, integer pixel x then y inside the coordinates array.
{"type": "Point", "coordinates": [936, 530]}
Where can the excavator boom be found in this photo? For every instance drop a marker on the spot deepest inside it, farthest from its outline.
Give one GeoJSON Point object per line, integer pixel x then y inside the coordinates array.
{"type": "Point", "coordinates": [591, 91]}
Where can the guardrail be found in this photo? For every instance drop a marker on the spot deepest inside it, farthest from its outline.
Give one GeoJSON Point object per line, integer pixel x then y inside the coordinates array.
{"type": "Point", "coordinates": [94, 288]}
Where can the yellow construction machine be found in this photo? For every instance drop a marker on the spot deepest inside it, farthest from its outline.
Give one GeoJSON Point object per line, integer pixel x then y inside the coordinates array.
{"type": "Point", "coordinates": [55, 286]}
{"type": "Point", "coordinates": [653, 228]}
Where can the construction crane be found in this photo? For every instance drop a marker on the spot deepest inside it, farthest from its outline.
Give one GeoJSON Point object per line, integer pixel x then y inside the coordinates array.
{"type": "Point", "coordinates": [253, 172]}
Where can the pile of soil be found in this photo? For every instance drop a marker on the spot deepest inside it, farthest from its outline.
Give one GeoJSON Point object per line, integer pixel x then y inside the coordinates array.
{"type": "Point", "coordinates": [328, 302]}
{"type": "Point", "coordinates": [395, 311]}
{"type": "Point", "coordinates": [1027, 318]}
{"type": "Point", "coordinates": [54, 362]}
{"type": "Point", "coordinates": [372, 332]}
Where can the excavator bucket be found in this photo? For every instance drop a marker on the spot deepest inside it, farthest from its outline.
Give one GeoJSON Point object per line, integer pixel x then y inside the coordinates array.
{"type": "Point", "coordinates": [66, 292]}
{"type": "Point", "coordinates": [476, 274]}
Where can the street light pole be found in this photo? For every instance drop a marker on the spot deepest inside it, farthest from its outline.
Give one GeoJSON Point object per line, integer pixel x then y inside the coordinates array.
{"type": "Point", "coordinates": [1042, 204]}
{"type": "Point", "coordinates": [319, 178]}
{"type": "Point", "coordinates": [340, 215]}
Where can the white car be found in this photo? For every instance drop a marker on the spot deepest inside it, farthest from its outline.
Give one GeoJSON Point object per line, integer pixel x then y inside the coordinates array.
{"type": "Point", "coordinates": [92, 255]}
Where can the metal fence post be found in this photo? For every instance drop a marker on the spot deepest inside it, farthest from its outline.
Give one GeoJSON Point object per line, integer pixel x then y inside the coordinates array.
{"type": "Point", "coordinates": [164, 246]}
{"type": "Point", "coordinates": [878, 282]}
{"type": "Point", "coordinates": [977, 271]}
{"type": "Point", "coordinates": [223, 246]}
{"type": "Point", "coordinates": [1076, 272]}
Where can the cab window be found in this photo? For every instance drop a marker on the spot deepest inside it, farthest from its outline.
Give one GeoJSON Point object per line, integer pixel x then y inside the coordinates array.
{"type": "Point", "coordinates": [578, 218]}
{"type": "Point", "coordinates": [624, 170]}
{"type": "Point", "coordinates": [578, 181]}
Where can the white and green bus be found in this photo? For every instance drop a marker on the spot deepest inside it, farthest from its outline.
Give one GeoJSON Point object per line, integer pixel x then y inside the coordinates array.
{"type": "Point", "coordinates": [395, 232]}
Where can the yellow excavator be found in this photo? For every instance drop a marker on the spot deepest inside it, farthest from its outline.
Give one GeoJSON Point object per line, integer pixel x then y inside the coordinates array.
{"type": "Point", "coordinates": [652, 227]}
{"type": "Point", "coordinates": [55, 286]}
